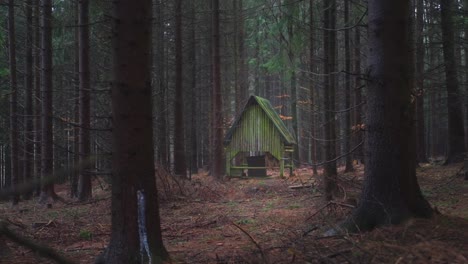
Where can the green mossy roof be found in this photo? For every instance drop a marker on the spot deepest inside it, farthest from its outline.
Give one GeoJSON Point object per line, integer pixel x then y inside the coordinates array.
{"type": "Point", "coordinates": [287, 137]}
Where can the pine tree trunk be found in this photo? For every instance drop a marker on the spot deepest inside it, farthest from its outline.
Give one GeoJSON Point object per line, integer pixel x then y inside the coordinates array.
{"type": "Point", "coordinates": [193, 95]}
{"type": "Point", "coordinates": [391, 192]}
{"type": "Point", "coordinates": [217, 158]}
{"type": "Point", "coordinates": [180, 164]}
{"type": "Point", "coordinates": [243, 67]}
{"type": "Point", "coordinates": [28, 113]}
{"type": "Point", "coordinates": [76, 110]}
{"type": "Point", "coordinates": [420, 126]}
{"type": "Point", "coordinates": [456, 129]}
{"type": "Point", "coordinates": [312, 109]}
{"type": "Point", "coordinates": [359, 153]}
{"type": "Point", "coordinates": [161, 82]}
{"type": "Point", "coordinates": [47, 154]}
{"type": "Point", "coordinates": [349, 160]}
{"type": "Point", "coordinates": [330, 171]}
{"type": "Point", "coordinates": [132, 148]}
{"type": "Point", "coordinates": [13, 101]}
{"type": "Point", "coordinates": [37, 96]}
{"type": "Point", "coordinates": [84, 182]}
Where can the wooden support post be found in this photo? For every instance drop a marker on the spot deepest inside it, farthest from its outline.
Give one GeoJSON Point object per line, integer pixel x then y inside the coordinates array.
{"type": "Point", "coordinates": [281, 167]}
{"type": "Point", "coordinates": [228, 162]}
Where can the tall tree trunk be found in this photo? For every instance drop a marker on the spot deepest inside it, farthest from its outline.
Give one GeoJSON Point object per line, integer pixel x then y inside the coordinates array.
{"type": "Point", "coordinates": [161, 82]}
{"type": "Point", "coordinates": [330, 171]}
{"type": "Point", "coordinates": [292, 76]}
{"type": "Point", "coordinates": [84, 183]}
{"type": "Point", "coordinates": [421, 138]}
{"type": "Point", "coordinates": [349, 160]}
{"type": "Point", "coordinates": [76, 110]}
{"type": "Point", "coordinates": [193, 95]}
{"type": "Point", "coordinates": [136, 228]}
{"type": "Point", "coordinates": [391, 191]}
{"type": "Point", "coordinates": [28, 154]}
{"type": "Point", "coordinates": [465, 9]}
{"type": "Point", "coordinates": [180, 164]}
{"type": "Point", "coordinates": [47, 155]}
{"type": "Point", "coordinates": [243, 76]}
{"type": "Point", "coordinates": [13, 101]}
{"type": "Point", "coordinates": [312, 109]}
{"type": "Point", "coordinates": [217, 155]}
{"type": "Point", "coordinates": [37, 95]}
{"type": "Point", "coordinates": [456, 129]}
{"type": "Point", "coordinates": [359, 153]}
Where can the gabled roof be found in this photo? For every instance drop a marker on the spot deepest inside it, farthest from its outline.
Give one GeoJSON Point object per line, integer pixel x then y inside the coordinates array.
{"type": "Point", "coordinates": [266, 106]}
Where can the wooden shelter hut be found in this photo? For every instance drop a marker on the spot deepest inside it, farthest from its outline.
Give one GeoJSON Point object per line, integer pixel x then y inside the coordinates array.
{"type": "Point", "coordinates": [258, 130]}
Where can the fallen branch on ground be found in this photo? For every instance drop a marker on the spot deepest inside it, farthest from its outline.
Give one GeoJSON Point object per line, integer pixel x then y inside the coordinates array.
{"type": "Point", "coordinates": [42, 250]}
{"type": "Point", "coordinates": [253, 241]}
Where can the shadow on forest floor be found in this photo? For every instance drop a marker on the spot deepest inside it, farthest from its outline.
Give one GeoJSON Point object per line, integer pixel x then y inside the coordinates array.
{"type": "Point", "coordinates": [259, 220]}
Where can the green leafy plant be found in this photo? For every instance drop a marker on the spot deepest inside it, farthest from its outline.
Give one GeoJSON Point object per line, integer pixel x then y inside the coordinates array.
{"type": "Point", "coordinates": [86, 234]}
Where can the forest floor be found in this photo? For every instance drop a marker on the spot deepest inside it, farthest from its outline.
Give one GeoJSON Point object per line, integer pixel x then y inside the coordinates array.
{"type": "Point", "coordinates": [259, 220]}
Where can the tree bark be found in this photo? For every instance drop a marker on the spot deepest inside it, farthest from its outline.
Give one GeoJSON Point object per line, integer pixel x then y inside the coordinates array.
{"type": "Point", "coordinates": [132, 148]}
{"type": "Point", "coordinates": [37, 95]}
{"type": "Point", "coordinates": [163, 156]}
{"type": "Point", "coordinates": [217, 155]}
{"type": "Point", "coordinates": [180, 163]}
{"type": "Point", "coordinates": [193, 95]}
{"type": "Point", "coordinates": [330, 171]}
{"type": "Point", "coordinates": [76, 129]}
{"type": "Point", "coordinates": [391, 191]}
{"type": "Point", "coordinates": [349, 160]}
{"type": "Point", "coordinates": [456, 129]}
{"type": "Point", "coordinates": [359, 153]}
{"type": "Point", "coordinates": [28, 153]}
{"type": "Point", "coordinates": [13, 101]}
{"type": "Point", "coordinates": [47, 150]}
{"type": "Point", "coordinates": [312, 109]}
{"type": "Point", "coordinates": [84, 182]}
{"type": "Point", "coordinates": [420, 126]}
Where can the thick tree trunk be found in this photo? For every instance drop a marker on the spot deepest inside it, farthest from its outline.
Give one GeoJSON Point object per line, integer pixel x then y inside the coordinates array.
{"type": "Point", "coordinates": [349, 160]}
{"type": "Point", "coordinates": [391, 192]}
{"type": "Point", "coordinates": [13, 101]}
{"type": "Point", "coordinates": [28, 153]}
{"type": "Point", "coordinates": [330, 171]}
{"type": "Point", "coordinates": [217, 155]}
{"type": "Point", "coordinates": [84, 139]}
{"type": "Point", "coordinates": [456, 129]}
{"type": "Point", "coordinates": [180, 163]}
{"type": "Point", "coordinates": [136, 228]}
{"type": "Point", "coordinates": [47, 155]}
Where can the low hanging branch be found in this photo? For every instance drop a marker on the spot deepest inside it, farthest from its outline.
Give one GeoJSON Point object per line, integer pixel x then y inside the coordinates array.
{"type": "Point", "coordinates": [42, 250]}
